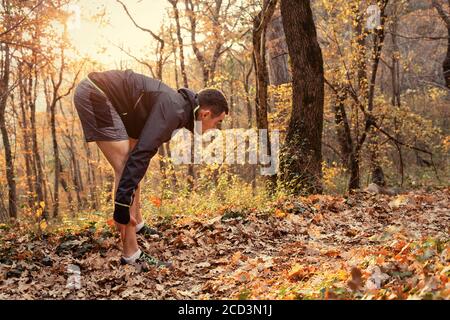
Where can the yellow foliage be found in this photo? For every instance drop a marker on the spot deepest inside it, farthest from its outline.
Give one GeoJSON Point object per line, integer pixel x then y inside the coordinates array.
{"type": "Point", "coordinates": [43, 225]}
{"type": "Point", "coordinates": [331, 173]}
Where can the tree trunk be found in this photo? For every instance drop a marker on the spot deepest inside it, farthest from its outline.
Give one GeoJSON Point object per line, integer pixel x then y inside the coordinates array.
{"type": "Point", "coordinates": [378, 36]}
{"type": "Point", "coordinates": [247, 97]}
{"type": "Point", "coordinates": [208, 66]}
{"type": "Point", "coordinates": [162, 166]}
{"type": "Point", "coordinates": [445, 16]}
{"type": "Point", "coordinates": [170, 166]}
{"type": "Point", "coordinates": [250, 122]}
{"type": "Point", "coordinates": [180, 42]}
{"type": "Point", "coordinates": [233, 114]}
{"type": "Point", "coordinates": [446, 63]}
{"type": "Point", "coordinates": [51, 107]}
{"type": "Point", "coordinates": [93, 202]}
{"type": "Point", "coordinates": [77, 178]}
{"type": "Point", "coordinates": [23, 121]}
{"type": "Point", "coordinates": [64, 174]}
{"type": "Point", "coordinates": [277, 51]}
{"type": "Point", "coordinates": [175, 61]}
{"type": "Point", "coordinates": [262, 79]}
{"type": "Point", "coordinates": [39, 174]}
{"type": "Point", "coordinates": [346, 143]}
{"type": "Point", "coordinates": [4, 87]}
{"type": "Point", "coordinates": [74, 167]}
{"type": "Point", "coordinates": [56, 160]}
{"type": "Point", "coordinates": [301, 162]}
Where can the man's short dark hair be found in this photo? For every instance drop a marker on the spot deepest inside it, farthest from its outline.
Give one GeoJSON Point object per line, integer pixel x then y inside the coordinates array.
{"type": "Point", "coordinates": [213, 99]}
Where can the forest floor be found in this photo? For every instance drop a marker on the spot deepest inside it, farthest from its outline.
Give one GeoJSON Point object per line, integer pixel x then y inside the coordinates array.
{"type": "Point", "coordinates": [363, 246]}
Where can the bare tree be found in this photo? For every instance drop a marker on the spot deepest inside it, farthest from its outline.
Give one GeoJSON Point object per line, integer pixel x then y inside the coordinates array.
{"type": "Point", "coordinates": [161, 60]}
{"type": "Point", "coordinates": [160, 43]}
{"type": "Point", "coordinates": [215, 12]}
{"type": "Point", "coordinates": [176, 13]}
{"type": "Point", "coordinates": [53, 96]}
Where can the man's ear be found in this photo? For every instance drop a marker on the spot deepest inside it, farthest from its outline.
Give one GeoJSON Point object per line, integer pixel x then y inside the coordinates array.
{"type": "Point", "coordinates": [204, 113]}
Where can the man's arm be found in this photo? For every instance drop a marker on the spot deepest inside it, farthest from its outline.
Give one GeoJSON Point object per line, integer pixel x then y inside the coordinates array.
{"type": "Point", "coordinates": [161, 123]}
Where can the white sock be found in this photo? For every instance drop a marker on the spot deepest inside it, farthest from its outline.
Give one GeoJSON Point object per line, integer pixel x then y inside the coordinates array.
{"type": "Point", "coordinates": [133, 257]}
{"type": "Point", "coordinates": [139, 226]}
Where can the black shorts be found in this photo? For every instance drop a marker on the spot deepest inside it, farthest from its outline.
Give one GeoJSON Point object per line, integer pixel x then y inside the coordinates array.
{"type": "Point", "coordinates": [99, 119]}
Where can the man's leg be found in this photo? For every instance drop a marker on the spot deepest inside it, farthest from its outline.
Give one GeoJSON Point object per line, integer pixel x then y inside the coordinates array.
{"type": "Point", "coordinates": [117, 152]}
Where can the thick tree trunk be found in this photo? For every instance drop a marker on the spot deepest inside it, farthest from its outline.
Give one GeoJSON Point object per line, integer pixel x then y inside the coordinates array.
{"type": "Point", "coordinates": [301, 163]}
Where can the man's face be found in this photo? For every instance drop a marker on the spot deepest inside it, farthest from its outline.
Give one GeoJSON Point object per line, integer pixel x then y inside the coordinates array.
{"type": "Point", "coordinates": [209, 121]}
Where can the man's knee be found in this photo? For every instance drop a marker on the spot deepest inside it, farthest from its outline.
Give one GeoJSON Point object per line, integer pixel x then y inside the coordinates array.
{"type": "Point", "coordinates": [120, 162]}
{"type": "Point", "coordinates": [118, 172]}
{"type": "Point", "coordinates": [116, 152]}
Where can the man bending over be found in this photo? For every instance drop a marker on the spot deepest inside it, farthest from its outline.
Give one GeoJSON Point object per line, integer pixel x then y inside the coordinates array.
{"type": "Point", "coordinates": [129, 116]}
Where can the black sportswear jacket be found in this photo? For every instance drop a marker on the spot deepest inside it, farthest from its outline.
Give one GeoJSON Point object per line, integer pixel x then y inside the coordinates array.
{"type": "Point", "coordinates": [151, 111]}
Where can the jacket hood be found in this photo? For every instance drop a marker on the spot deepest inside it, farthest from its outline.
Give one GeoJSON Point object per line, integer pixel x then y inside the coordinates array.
{"type": "Point", "coordinates": [189, 95]}
{"type": "Point", "coordinates": [192, 97]}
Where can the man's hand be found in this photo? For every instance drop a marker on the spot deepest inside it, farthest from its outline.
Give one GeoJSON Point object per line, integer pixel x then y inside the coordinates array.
{"type": "Point", "coordinates": [123, 219]}
{"type": "Point", "coordinates": [122, 227]}
{"type": "Point", "coordinates": [121, 213]}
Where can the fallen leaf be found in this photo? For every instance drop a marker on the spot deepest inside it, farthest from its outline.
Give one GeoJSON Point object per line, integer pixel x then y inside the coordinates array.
{"type": "Point", "coordinates": [356, 281]}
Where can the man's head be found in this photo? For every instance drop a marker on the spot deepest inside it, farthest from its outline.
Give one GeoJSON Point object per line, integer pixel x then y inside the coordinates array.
{"type": "Point", "coordinates": [213, 108]}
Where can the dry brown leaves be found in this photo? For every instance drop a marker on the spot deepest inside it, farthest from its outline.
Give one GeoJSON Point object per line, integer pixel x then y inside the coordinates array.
{"type": "Point", "coordinates": [321, 247]}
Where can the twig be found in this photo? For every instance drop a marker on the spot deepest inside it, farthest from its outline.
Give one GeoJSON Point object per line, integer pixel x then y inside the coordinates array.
{"type": "Point", "coordinates": [410, 147]}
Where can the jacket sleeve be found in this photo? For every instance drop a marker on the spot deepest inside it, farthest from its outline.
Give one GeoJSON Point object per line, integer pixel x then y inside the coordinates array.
{"type": "Point", "coordinates": [160, 124]}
